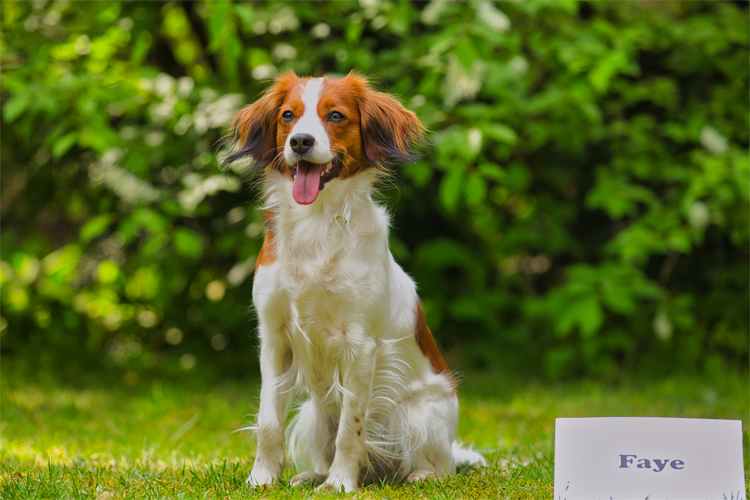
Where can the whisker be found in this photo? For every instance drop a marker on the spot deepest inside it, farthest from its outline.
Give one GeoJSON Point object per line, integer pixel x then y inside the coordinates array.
{"type": "Point", "coordinates": [341, 151]}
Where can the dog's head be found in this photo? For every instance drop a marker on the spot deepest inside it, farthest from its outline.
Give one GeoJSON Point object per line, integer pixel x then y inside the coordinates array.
{"type": "Point", "coordinates": [317, 130]}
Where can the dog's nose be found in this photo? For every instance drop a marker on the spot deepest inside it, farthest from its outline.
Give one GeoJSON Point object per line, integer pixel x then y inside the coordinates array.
{"type": "Point", "coordinates": [301, 143]}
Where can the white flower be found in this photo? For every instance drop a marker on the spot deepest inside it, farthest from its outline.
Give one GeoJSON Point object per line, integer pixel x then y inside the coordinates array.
{"type": "Point", "coordinates": [321, 30]}
{"type": "Point", "coordinates": [475, 139]}
{"type": "Point", "coordinates": [371, 7]}
{"type": "Point", "coordinates": [240, 271]}
{"type": "Point", "coordinates": [125, 24]}
{"type": "Point", "coordinates": [712, 140]}
{"type": "Point", "coordinates": [82, 45]}
{"type": "Point", "coordinates": [263, 71]}
{"type": "Point", "coordinates": [183, 125]}
{"type": "Point", "coordinates": [285, 20]}
{"type": "Point", "coordinates": [260, 28]}
{"type": "Point", "coordinates": [146, 84]}
{"type": "Point", "coordinates": [699, 215]}
{"type": "Point", "coordinates": [124, 184]}
{"type": "Point", "coordinates": [198, 189]}
{"type": "Point", "coordinates": [165, 85]}
{"type": "Point", "coordinates": [154, 138]}
{"type": "Point", "coordinates": [284, 51]}
{"type": "Point", "coordinates": [518, 65]}
{"type": "Point", "coordinates": [163, 111]}
{"type": "Point", "coordinates": [662, 327]}
{"type": "Point", "coordinates": [460, 84]}
{"type": "Point", "coordinates": [379, 22]}
{"type": "Point", "coordinates": [488, 14]}
{"type": "Point", "coordinates": [431, 13]}
{"type": "Point", "coordinates": [185, 86]}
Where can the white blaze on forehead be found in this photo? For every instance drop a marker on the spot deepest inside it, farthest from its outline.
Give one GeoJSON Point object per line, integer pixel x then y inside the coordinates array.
{"type": "Point", "coordinates": [310, 123]}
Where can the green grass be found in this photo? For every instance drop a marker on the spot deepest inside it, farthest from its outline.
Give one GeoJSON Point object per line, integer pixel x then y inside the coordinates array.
{"type": "Point", "coordinates": [163, 441]}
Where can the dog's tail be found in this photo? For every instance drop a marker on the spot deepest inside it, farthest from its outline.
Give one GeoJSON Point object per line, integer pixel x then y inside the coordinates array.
{"type": "Point", "coordinates": [467, 458]}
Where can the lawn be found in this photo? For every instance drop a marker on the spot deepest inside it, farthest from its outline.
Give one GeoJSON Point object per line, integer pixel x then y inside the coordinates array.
{"type": "Point", "coordinates": [166, 441]}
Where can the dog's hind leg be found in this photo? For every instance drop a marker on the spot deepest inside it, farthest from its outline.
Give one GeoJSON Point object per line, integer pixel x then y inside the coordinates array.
{"type": "Point", "coordinates": [432, 418]}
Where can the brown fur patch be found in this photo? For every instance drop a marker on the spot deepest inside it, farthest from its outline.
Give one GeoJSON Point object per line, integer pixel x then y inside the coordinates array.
{"type": "Point", "coordinates": [343, 95]}
{"type": "Point", "coordinates": [427, 343]}
{"type": "Point", "coordinates": [267, 254]}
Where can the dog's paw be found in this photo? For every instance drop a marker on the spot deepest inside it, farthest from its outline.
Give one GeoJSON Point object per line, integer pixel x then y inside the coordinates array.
{"type": "Point", "coordinates": [337, 484]}
{"type": "Point", "coordinates": [260, 476]}
{"type": "Point", "coordinates": [419, 475]}
{"type": "Point", "coordinates": [308, 478]}
{"type": "Point", "coordinates": [467, 458]}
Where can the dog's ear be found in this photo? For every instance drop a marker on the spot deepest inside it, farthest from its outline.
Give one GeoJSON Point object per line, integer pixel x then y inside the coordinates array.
{"type": "Point", "coordinates": [391, 134]}
{"type": "Point", "coordinates": [253, 130]}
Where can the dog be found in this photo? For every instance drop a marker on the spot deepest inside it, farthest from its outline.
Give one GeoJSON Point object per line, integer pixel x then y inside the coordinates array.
{"type": "Point", "coordinates": [340, 322]}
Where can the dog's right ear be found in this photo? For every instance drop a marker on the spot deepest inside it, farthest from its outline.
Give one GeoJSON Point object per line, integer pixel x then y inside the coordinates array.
{"type": "Point", "coordinates": [253, 130]}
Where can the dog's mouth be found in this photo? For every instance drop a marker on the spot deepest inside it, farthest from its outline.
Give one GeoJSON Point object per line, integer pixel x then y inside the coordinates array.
{"type": "Point", "coordinates": [310, 178]}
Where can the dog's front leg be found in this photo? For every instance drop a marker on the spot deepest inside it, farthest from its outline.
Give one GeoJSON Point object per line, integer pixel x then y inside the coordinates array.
{"type": "Point", "coordinates": [275, 359]}
{"type": "Point", "coordinates": [357, 369]}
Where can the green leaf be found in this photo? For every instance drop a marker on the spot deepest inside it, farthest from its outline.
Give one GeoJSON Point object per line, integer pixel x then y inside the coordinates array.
{"type": "Point", "coordinates": [564, 322]}
{"type": "Point", "coordinates": [398, 19]}
{"type": "Point", "coordinates": [233, 53]}
{"type": "Point", "coordinates": [466, 52]}
{"type": "Point", "coordinates": [419, 173]}
{"type": "Point", "coordinates": [451, 188]}
{"type": "Point", "coordinates": [467, 308]}
{"type": "Point", "coordinates": [94, 227]}
{"type": "Point", "coordinates": [63, 144]}
{"type": "Point", "coordinates": [258, 57]}
{"type": "Point", "coordinates": [442, 253]}
{"type": "Point", "coordinates": [616, 195]}
{"type": "Point", "coordinates": [151, 220]}
{"type": "Point", "coordinates": [582, 273]}
{"type": "Point", "coordinates": [246, 14]}
{"type": "Point", "coordinates": [188, 243]}
{"type": "Point", "coordinates": [15, 106]}
{"type": "Point", "coordinates": [589, 316]}
{"type": "Point", "coordinates": [476, 190]}
{"type": "Point", "coordinates": [220, 24]}
{"type": "Point", "coordinates": [153, 244]}
{"type": "Point", "coordinates": [62, 262]}
{"type": "Point", "coordinates": [617, 297]}
{"type": "Point", "coordinates": [500, 132]}
{"type": "Point", "coordinates": [492, 171]}
{"type": "Point", "coordinates": [354, 31]}
{"type": "Point", "coordinates": [577, 305]}
{"type": "Point", "coordinates": [108, 272]}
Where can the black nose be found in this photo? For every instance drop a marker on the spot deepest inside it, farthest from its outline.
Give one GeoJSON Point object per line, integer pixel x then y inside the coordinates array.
{"type": "Point", "coordinates": [301, 143]}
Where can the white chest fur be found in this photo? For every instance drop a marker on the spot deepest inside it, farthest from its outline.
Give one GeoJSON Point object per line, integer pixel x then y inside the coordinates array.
{"type": "Point", "coordinates": [328, 291]}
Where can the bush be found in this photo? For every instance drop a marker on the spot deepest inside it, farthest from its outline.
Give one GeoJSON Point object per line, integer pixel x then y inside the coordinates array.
{"type": "Point", "coordinates": [583, 211]}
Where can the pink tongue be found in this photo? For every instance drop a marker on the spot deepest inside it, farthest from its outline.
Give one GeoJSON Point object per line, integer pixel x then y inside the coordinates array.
{"type": "Point", "coordinates": [306, 182]}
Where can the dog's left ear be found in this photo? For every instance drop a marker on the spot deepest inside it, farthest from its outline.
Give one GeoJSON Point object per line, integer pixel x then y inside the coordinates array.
{"type": "Point", "coordinates": [391, 134]}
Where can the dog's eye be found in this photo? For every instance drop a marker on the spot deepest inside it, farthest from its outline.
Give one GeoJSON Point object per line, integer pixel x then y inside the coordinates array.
{"type": "Point", "coordinates": [335, 116]}
{"type": "Point", "coordinates": [287, 116]}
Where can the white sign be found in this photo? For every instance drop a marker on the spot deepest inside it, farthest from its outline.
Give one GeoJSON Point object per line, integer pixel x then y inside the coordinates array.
{"type": "Point", "coordinates": [653, 458]}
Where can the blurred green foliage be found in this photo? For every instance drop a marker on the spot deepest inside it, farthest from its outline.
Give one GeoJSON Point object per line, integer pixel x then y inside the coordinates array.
{"type": "Point", "coordinates": [583, 209]}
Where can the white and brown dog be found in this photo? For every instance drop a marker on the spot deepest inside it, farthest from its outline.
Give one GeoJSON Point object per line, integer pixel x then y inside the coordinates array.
{"type": "Point", "coordinates": [339, 321]}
